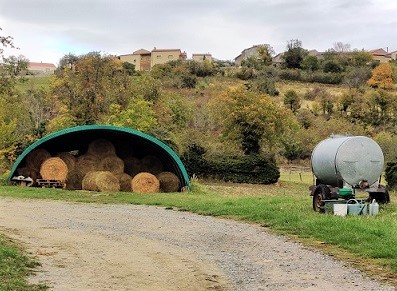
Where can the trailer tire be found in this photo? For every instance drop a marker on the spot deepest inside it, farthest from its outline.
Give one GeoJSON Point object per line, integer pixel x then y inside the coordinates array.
{"type": "Point", "coordinates": [321, 193]}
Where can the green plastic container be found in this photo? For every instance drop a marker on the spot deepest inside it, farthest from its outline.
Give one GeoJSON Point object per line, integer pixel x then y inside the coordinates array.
{"type": "Point", "coordinates": [345, 192]}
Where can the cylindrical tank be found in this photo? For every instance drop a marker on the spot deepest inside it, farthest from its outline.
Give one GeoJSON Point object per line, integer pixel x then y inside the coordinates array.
{"type": "Point", "coordinates": [353, 159]}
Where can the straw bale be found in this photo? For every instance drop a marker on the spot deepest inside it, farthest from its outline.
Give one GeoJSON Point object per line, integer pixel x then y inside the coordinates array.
{"type": "Point", "coordinates": [102, 181]}
{"type": "Point", "coordinates": [125, 182]}
{"type": "Point", "coordinates": [36, 157]}
{"type": "Point", "coordinates": [132, 165]}
{"type": "Point", "coordinates": [87, 163]}
{"type": "Point", "coordinates": [74, 180]}
{"type": "Point", "coordinates": [145, 183]}
{"type": "Point", "coordinates": [112, 164]}
{"type": "Point", "coordinates": [89, 182]}
{"type": "Point", "coordinates": [169, 182]}
{"type": "Point", "coordinates": [69, 159]}
{"type": "Point", "coordinates": [101, 148]}
{"type": "Point", "coordinates": [54, 169]}
{"type": "Point", "coordinates": [29, 172]}
{"type": "Point", "coordinates": [152, 164]}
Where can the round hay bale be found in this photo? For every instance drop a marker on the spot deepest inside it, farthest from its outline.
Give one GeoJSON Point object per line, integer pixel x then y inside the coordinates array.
{"type": "Point", "coordinates": [54, 169]}
{"type": "Point", "coordinates": [89, 182]}
{"type": "Point", "coordinates": [74, 180]}
{"type": "Point", "coordinates": [36, 157]}
{"type": "Point", "coordinates": [152, 164]}
{"type": "Point", "coordinates": [29, 172]}
{"type": "Point", "coordinates": [87, 163]}
{"type": "Point", "coordinates": [102, 181]}
{"type": "Point", "coordinates": [125, 182]}
{"type": "Point", "coordinates": [132, 166]}
{"type": "Point", "coordinates": [101, 148]}
{"type": "Point", "coordinates": [112, 164]}
{"type": "Point", "coordinates": [169, 182]}
{"type": "Point", "coordinates": [145, 183]}
{"type": "Point", "coordinates": [69, 159]}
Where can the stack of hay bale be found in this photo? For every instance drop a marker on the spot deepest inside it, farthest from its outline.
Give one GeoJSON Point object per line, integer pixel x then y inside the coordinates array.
{"type": "Point", "coordinates": [101, 169]}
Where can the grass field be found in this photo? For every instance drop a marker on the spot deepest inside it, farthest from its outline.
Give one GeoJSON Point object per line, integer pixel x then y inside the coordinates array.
{"type": "Point", "coordinates": [35, 82]}
{"type": "Point", "coordinates": [369, 243]}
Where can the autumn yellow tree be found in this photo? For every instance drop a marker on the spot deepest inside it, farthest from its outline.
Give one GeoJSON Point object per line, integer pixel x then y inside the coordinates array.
{"type": "Point", "coordinates": [381, 77]}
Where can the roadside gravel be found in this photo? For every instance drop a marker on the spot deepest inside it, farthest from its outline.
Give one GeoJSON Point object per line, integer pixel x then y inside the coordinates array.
{"type": "Point", "coordinates": [127, 247]}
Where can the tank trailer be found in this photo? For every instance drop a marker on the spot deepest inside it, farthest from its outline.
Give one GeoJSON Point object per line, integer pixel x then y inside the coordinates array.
{"type": "Point", "coordinates": [343, 165]}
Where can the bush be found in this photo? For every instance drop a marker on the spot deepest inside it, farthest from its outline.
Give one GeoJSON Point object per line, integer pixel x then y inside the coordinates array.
{"type": "Point", "coordinates": [291, 75]}
{"type": "Point", "coordinates": [254, 169]}
{"type": "Point", "coordinates": [324, 78]}
{"type": "Point", "coordinates": [391, 174]}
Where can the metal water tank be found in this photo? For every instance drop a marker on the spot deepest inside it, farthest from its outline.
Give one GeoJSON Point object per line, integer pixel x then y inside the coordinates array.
{"type": "Point", "coordinates": [354, 159]}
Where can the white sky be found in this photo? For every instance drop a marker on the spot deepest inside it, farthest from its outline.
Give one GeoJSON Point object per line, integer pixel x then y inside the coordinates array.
{"type": "Point", "coordinates": [46, 30]}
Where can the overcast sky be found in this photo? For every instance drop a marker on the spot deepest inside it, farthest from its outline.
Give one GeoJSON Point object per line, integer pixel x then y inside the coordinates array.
{"type": "Point", "coordinates": [46, 30]}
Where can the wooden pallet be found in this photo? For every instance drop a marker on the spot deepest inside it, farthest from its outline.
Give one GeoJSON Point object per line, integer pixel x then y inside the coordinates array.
{"type": "Point", "coordinates": [51, 183]}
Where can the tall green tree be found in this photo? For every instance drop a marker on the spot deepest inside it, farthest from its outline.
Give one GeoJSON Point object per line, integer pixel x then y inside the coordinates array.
{"type": "Point", "coordinates": [294, 55]}
{"type": "Point", "coordinates": [252, 119]}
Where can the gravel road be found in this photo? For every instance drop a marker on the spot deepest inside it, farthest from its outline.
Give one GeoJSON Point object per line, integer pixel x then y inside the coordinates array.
{"type": "Point", "coordinates": [127, 247]}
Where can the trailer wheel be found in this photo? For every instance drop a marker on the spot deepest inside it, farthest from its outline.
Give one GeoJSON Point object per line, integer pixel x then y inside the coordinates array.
{"type": "Point", "coordinates": [320, 194]}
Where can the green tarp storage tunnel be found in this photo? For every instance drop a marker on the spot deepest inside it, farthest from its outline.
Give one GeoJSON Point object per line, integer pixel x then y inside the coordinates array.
{"type": "Point", "coordinates": [77, 139]}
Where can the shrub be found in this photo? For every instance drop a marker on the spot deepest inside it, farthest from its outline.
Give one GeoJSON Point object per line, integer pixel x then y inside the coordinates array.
{"type": "Point", "coordinates": [391, 174]}
{"type": "Point", "coordinates": [290, 74]}
{"type": "Point", "coordinates": [239, 169]}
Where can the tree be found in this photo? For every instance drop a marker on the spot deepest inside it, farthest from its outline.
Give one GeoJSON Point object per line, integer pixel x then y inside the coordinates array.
{"type": "Point", "coordinates": [340, 47]}
{"type": "Point", "coordinates": [91, 85]}
{"type": "Point", "coordinates": [251, 118]}
{"type": "Point", "coordinates": [310, 63]}
{"type": "Point", "coordinates": [381, 77]}
{"type": "Point", "coordinates": [292, 99]}
{"type": "Point", "coordinates": [356, 76]}
{"type": "Point", "coordinates": [294, 55]}
{"type": "Point", "coordinates": [266, 53]}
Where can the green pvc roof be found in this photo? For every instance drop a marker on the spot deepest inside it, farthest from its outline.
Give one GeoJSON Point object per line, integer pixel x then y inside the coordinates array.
{"type": "Point", "coordinates": [77, 139]}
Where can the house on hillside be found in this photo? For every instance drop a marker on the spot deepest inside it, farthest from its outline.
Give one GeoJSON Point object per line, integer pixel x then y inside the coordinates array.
{"type": "Point", "coordinates": [162, 56]}
{"type": "Point", "coordinates": [144, 60]}
{"type": "Point", "coordinates": [246, 53]}
{"type": "Point", "coordinates": [41, 68]}
{"type": "Point", "coordinates": [202, 57]}
{"type": "Point", "coordinates": [140, 58]}
{"type": "Point", "coordinates": [278, 60]}
{"type": "Point", "coordinates": [393, 55]}
{"type": "Point", "coordinates": [380, 55]}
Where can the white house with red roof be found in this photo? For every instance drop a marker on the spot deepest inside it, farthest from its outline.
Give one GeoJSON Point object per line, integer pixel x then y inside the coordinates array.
{"type": "Point", "coordinates": [41, 68]}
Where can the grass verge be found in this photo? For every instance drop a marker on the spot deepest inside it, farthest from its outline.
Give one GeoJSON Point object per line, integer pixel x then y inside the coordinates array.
{"type": "Point", "coordinates": [370, 243]}
{"type": "Point", "coordinates": [15, 267]}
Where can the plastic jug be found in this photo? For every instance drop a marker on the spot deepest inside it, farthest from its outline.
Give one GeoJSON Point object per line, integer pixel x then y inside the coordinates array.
{"type": "Point", "coordinates": [374, 208]}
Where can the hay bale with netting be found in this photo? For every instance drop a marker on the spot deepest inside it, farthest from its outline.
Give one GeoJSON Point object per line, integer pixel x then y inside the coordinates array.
{"type": "Point", "coordinates": [152, 164]}
{"type": "Point", "coordinates": [36, 157]}
{"type": "Point", "coordinates": [29, 172]}
{"type": "Point", "coordinates": [112, 164]}
{"type": "Point", "coordinates": [102, 181]}
{"type": "Point", "coordinates": [54, 169]}
{"type": "Point", "coordinates": [132, 165]}
{"type": "Point", "coordinates": [125, 182]}
{"type": "Point", "coordinates": [169, 182]}
{"type": "Point", "coordinates": [145, 183]}
{"type": "Point", "coordinates": [87, 163]}
{"type": "Point", "coordinates": [101, 148]}
{"type": "Point", "coordinates": [74, 180]}
{"type": "Point", "coordinates": [69, 159]}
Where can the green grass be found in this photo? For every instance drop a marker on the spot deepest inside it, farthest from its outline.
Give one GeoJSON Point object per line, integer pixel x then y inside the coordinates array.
{"type": "Point", "coordinates": [15, 267]}
{"type": "Point", "coordinates": [34, 82]}
{"type": "Point", "coordinates": [285, 208]}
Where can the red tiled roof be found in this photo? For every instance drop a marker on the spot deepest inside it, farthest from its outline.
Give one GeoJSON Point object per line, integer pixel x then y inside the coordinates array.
{"type": "Point", "coordinates": [41, 65]}
{"type": "Point", "coordinates": [166, 50]}
{"type": "Point", "coordinates": [378, 52]}
{"type": "Point", "coordinates": [141, 52]}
